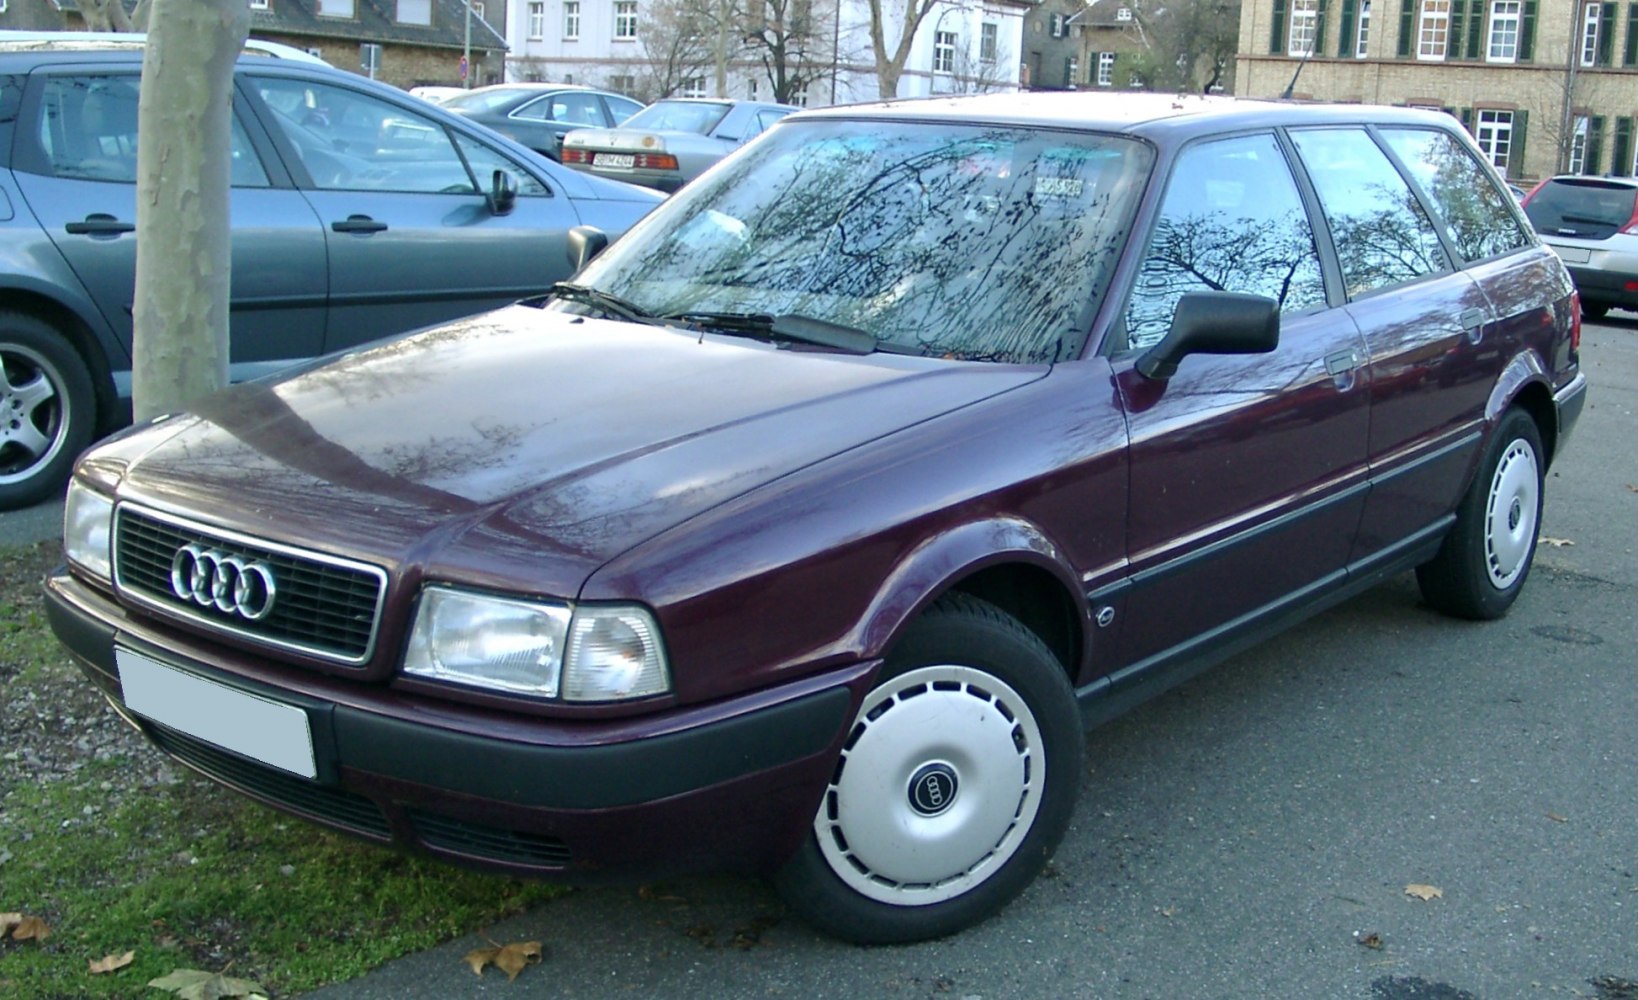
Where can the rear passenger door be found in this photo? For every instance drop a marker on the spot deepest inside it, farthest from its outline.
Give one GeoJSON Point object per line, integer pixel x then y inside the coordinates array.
{"type": "Point", "coordinates": [1247, 471]}
{"type": "Point", "coordinates": [1425, 325]}
{"type": "Point", "coordinates": [75, 163]}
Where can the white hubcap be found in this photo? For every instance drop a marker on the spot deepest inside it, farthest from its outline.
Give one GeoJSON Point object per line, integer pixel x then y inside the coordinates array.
{"type": "Point", "coordinates": [938, 785]}
{"type": "Point", "coordinates": [1511, 513]}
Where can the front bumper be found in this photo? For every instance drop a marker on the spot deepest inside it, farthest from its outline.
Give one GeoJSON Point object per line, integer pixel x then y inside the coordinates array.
{"type": "Point", "coordinates": [732, 787]}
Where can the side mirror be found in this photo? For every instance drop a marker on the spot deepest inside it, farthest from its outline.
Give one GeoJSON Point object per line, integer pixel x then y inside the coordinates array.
{"type": "Point", "coordinates": [1214, 323]}
{"type": "Point", "coordinates": [585, 242]}
{"type": "Point", "coordinates": [503, 193]}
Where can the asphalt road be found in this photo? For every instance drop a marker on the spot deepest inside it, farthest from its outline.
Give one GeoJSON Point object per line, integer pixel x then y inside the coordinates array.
{"type": "Point", "coordinates": [1251, 834]}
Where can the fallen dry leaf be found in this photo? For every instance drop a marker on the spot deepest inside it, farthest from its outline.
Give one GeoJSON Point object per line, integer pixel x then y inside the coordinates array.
{"type": "Point", "coordinates": [1557, 543]}
{"type": "Point", "coordinates": [1424, 892]}
{"type": "Point", "coordinates": [30, 929]}
{"type": "Point", "coordinates": [197, 984]}
{"type": "Point", "coordinates": [109, 963]}
{"type": "Point", "coordinates": [1632, 488]}
{"type": "Point", "coordinates": [510, 959]}
{"type": "Point", "coordinates": [8, 921]}
{"type": "Point", "coordinates": [1556, 818]}
{"type": "Point", "coordinates": [1371, 940]}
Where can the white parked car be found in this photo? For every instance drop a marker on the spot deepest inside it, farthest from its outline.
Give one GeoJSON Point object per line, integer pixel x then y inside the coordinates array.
{"type": "Point", "coordinates": [670, 142]}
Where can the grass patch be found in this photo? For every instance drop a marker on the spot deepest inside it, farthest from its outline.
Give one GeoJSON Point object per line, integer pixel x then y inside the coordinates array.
{"type": "Point", "coordinates": [180, 871]}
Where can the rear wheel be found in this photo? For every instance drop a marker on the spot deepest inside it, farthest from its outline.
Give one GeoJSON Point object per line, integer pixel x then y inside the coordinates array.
{"type": "Point", "coordinates": [956, 782]}
{"type": "Point", "coordinates": [47, 409]}
{"type": "Point", "coordinates": [1594, 310]}
{"type": "Point", "coordinates": [1482, 565]}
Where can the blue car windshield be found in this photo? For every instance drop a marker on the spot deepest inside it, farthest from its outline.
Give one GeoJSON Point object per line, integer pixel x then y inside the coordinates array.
{"type": "Point", "coordinates": [982, 243]}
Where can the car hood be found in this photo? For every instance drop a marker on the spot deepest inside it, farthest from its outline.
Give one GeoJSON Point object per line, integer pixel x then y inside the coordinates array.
{"type": "Point", "coordinates": [527, 447]}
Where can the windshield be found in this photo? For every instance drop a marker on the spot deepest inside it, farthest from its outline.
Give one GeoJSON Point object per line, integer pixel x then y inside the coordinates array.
{"type": "Point", "coordinates": [678, 116]}
{"type": "Point", "coordinates": [986, 243]}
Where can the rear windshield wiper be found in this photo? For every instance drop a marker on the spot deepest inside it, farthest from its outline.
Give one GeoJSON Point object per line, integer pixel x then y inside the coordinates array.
{"type": "Point", "coordinates": [1588, 220]}
{"type": "Point", "coordinates": [787, 327]}
{"type": "Point", "coordinates": [609, 303]}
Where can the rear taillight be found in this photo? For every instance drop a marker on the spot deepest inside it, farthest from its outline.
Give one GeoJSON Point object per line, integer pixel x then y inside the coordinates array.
{"type": "Point", "coordinates": [577, 156]}
{"type": "Point", "coordinates": [655, 161]}
{"type": "Point", "coordinates": [1575, 322]}
{"type": "Point", "coordinates": [1632, 224]}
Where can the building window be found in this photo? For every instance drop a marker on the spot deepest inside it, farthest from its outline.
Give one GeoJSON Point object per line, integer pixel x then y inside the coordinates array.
{"type": "Point", "coordinates": [1072, 69]}
{"type": "Point", "coordinates": [1123, 14]}
{"type": "Point", "coordinates": [415, 12]}
{"type": "Point", "coordinates": [1304, 21]}
{"type": "Point", "coordinates": [989, 40]}
{"type": "Point", "coordinates": [1589, 34]}
{"type": "Point", "coordinates": [1495, 137]}
{"type": "Point", "coordinates": [537, 18]}
{"type": "Point", "coordinates": [944, 43]}
{"type": "Point", "coordinates": [750, 88]}
{"type": "Point", "coordinates": [1056, 26]}
{"type": "Point", "coordinates": [1578, 145]}
{"type": "Point", "coordinates": [477, 9]}
{"type": "Point", "coordinates": [694, 86]}
{"type": "Point", "coordinates": [316, 53]}
{"type": "Point", "coordinates": [571, 19]}
{"type": "Point", "coordinates": [335, 8]}
{"type": "Point", "coordinates": [254, 5]}
{"type": "Point", "coordinates": [1106, 69]}
{"type": "Point", "coordinates": [1364, 33]}
{"type": "Point", "coordinates": [622, 83]}
{"type": "Point", "coordinates": [1434, 32]}
{"type": "Point", "coordinates": [1504, 31]}
{"type": "Point", "coordinates": [625, 20]}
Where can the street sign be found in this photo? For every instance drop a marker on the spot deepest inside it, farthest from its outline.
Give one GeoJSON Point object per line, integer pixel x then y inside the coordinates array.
{"type": "Point", "coordinates": [463, 67]}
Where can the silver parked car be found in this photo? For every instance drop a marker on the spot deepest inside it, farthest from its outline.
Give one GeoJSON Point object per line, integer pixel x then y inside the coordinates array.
{"type": "Point", "coordinates": [358, 212]}
{"type": "Point", "coordinates": [1592, 223]}
{"type": "Point", "coordinates": [670, 142]}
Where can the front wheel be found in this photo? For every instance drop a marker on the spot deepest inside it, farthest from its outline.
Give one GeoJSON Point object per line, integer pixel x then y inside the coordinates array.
{"type": "Point", "coordinates": [47, 410]}
{"type": "Point", "coordinates": [955, 783]}
{"type": "Point", "coordinates": [1482, 565]}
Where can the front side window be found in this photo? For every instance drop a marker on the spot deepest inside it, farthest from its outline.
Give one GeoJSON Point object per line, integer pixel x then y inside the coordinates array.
{"type": "Point", "coordinates": [1589, 34]}
{"type": "Point", "coordinates": [1304, 22]}
{"type": "Point", "coordinates": [1504, 31]}
{"type": "Point", "coordinates": [1494, 133]}
{"type": "Point", "coordinates": [625, 19]}
{"type": "Point", "coordinates": [88, 131]}
{"type": "Point", "coordinates": [1433, 32]}
{"type": "Point", "coordinates": [1479, 214]}
{"type": "Point", "coordinates": [351, 141]}
{"type": "Point", "coordinates": [1382, 234]}
{"type": "Point", "coordinates": [571, 18]}
{"type": "Point", "coordinates": [1231, 221]}
{"type": "Point", "coordinates": [944, 44]}
{"type": "Point", "coordinates": [1106, 69]}
{"type": "Point", "coordinates": [537, 19]}
{"type": "Point", "coordinates": [964, 242]}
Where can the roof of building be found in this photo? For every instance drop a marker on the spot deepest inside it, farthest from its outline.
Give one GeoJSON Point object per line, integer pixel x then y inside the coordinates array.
{"type": "Point", "coordinates": [372, 21]}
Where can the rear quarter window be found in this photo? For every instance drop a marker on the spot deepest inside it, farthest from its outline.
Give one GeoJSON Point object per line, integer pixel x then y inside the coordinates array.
{"type": "Point", "coordinates": [1478, 212]}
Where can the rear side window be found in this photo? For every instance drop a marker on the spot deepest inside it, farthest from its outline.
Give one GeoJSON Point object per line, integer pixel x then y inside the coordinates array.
{"type": "Point", "coordinates": [1582, 206]}
{"type": "Point", "coordinates": [1231, 221]}
{"type": "Point", "coordinates": [1382, 235]}
{"type": "Point", "coordinates": [1479, 213]}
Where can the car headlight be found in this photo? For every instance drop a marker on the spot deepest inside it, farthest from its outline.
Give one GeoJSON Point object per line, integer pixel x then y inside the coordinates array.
{"type": "Point", "coordinates": [88, 519]}
{"type": "Point", "coordinates": [540, 649]}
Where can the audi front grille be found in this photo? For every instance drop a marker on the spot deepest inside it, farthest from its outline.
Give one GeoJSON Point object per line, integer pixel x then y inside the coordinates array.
{"type": "Point", "coordinates": [273, 594]}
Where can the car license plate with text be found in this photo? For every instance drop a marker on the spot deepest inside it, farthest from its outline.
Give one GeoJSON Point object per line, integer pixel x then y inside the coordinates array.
{"type": "Point", "coordinates": [275, 734]}
{"type": "Point", "coordinates": [615, 161]}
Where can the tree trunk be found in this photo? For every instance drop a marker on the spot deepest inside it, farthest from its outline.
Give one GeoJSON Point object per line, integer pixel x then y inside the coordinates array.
{"type": "Point", "coordinates": [180, 341]}
{"type": "Point", "coordinates": [890, 66]}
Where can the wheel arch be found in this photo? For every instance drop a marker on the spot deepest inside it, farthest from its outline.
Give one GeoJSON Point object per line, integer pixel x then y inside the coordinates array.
{"type": "Point", "coordinates": [1524, 382]}
{"type": "Point", "coordinates": [1008, 562]}
{"type": "Point", "coordinates": [72, 325]}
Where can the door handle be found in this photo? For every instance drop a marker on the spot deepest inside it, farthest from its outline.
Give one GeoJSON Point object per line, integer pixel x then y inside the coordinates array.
{"type": "Point", "coordinates": [100, 224]}
{"type": "Point", "coordinates": [358, 224]}
{"type": "Point", "coordinates": [1341, 366]}
{"type": "Point", "coordinates": [1473, 321]}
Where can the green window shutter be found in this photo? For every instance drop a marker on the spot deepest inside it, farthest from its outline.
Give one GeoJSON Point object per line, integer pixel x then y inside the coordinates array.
{"type": "Point", "coordinates": [1465, 116]}
{"type": "Point", "coordinates": [1458, 29]}
{"type": "Point", "coordinates": [1276, 37]}
{"type": "Point", "coordinates": [1407, 27]}
{"type": "Point", "coordinates": [1595, 145]}
{"type": "Point", "coordinates": [1319, 28]}
{"type": "Point", "coordinates": [1606, 33]}
{"type": "Point", "coordinates": [1621, 155]}
{"type": "Point", "coordinates": [1345, 30]}
{"type": "Point", "coordinates": [1515, 154]}
{"type": "Point", "coordinates": [1475, 31]}
{"type": "Point", "coordinates": [1527, 32]}
{"type": "Point", "coordinates": [1630, 56]}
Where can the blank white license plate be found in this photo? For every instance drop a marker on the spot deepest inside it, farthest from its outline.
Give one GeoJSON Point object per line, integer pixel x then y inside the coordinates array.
{"type": "Point", "coordinates": [617, 161]}
{"type": "Point", "coordinates": [1573, 255]}
{"type": "Point", "coordinates": [275, 734]}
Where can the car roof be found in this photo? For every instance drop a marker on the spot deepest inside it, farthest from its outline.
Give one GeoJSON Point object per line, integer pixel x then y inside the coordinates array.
{"type": "Point", "coordinates": [1136, 113]}
{"type": "Point", "coordinates": [94, 41]}
{"type": "Point", "coordinates": [731, 102]}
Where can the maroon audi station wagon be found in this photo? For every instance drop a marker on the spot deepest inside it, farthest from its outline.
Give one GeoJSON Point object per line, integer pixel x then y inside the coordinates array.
{"type": "Point", "coordinates": [807, 529]}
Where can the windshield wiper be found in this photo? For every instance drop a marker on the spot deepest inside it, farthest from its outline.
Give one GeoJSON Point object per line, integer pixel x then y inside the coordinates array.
{"type": "Point", "coordinates": [609, 303]}
{"type": "Point", "coordinates": [787, 327]}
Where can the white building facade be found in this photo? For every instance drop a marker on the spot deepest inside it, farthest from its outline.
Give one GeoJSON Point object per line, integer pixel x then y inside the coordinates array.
{"type": "Point", "coordinates": [963, 46]}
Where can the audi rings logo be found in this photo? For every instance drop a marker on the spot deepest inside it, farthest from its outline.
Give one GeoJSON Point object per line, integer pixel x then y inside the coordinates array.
{"type": "Point", "coordinates": [229, 583]}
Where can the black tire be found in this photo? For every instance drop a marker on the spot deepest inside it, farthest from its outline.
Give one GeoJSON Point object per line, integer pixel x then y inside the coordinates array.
{"type": "Point", "coordinates": [973, 743]}
{"type": "Point", "coordinates": [1483, 563]}
{"type": "Point", "coordinates": [47, 410]}
{"type": "Point", "coordinates": [1594, 310]}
